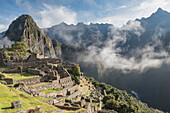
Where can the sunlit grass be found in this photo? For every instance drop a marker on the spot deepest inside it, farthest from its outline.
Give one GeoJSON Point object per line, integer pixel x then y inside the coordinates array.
{"type": "Point", "coordinates": [17, 76]}
{"type": "Point", "coordinates": [8, 95]}
{"type": "Point", "coordinates": [50, 90]}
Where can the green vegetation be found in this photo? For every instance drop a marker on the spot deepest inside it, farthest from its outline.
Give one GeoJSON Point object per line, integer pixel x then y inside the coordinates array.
{"type": "Point", "coordinates": [8, 95]}
{"type": "Point", "coordinates": [19, 84]}
{"type": "Point", "coordinates": [119, 100]}
{"type": "Point", "coordinates": [51, 90]}
{"type": "Point", "coordinates": [75, 73]}
{"type": "Point", "coordinates": [18, 49]}
{"type": "Point", "coordinates": [17, 76]}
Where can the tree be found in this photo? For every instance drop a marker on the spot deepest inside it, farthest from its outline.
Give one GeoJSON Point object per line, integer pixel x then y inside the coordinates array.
{"type": "Point", "coordinates": [20, 50]}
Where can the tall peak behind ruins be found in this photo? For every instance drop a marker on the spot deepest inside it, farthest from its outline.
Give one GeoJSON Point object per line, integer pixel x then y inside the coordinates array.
{"type": "Point", "coordinates": [25, 29]}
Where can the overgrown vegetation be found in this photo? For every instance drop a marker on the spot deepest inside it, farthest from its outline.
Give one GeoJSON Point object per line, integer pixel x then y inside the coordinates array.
{"type": "Point", "coordinates": [18, 84]}
{"type": "Point", "coordinates": [75, 73]}
{"type": "Point", "coordinates": [119, 100]}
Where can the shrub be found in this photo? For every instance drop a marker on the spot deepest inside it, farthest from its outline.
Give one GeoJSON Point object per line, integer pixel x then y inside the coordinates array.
{"type": "Point", "coordinates": [19, 84]}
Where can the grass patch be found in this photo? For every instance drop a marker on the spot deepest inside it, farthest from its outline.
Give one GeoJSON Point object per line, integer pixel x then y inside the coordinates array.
{"type": "Point", "coordinates": [28, 102]}
{"type": "Point", "coordinates": [87, 93]}
{"type": "Point", "coordinates": [51, 90]}
{"type": "Point", "coordinates": [43, 99]}
{"type": "Point", "coordinates": [40, 84]}
{"type": "Point", "coordinates": [17, 76]}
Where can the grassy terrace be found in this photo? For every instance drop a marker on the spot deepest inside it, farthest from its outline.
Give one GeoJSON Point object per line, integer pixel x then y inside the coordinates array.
{"type": "Point", "coordinates": [50, 90]}
{"type": "Point", "coordinates": [17, 76]}
{"type": "Point", "coordinates": [28, 102]}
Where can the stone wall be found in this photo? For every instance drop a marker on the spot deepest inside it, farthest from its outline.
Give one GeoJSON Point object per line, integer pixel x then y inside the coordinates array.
{"type": "Point", "coordinates": [82, 103]}
{"type": "Point", "coordinates": [106, 111]}
{"type": "Point", "coordinates": [72, 89]}
{"type": "Point", "coordinates": [36, 71]}
{"type": "Point", "coordinates": [74, 95]}
{"type": "Point", "coordinates": [61, 93]}
{"type": "Point", "coordinates": [9, 80]}
{"type": "Point", "coordinates": [29, 81]}
{"type": "Point", "coordinates": [66, 82]}
{"type": "Point", "coordinates": [68, 107]}
{"type": "Point", "coordinates": [33, 64]}
{"type": "Point", "coordinates": [51, 101]}
{"type": "Point", "coordinates": [46, 86]}
{"type": "Point", "coordinates": [14, 65]}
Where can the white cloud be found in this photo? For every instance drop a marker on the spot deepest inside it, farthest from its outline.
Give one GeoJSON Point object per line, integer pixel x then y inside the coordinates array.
{"type": "Point", "coordinates": [122, 7]}
{"type": "Point", "coordinates": [2, 28]}
{"type": "Point", "coordinates": [117, 20]}
{"type": "Point", "coordinates": [143, 9]}
{"type": "Point", "coordinates": [52, 15]}
{"type": "Point", "coordinates": [5, 41]}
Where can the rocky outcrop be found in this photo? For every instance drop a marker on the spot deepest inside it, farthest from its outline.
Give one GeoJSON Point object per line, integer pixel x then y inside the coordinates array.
{"type": "Point", "coordinates": [25, 29]}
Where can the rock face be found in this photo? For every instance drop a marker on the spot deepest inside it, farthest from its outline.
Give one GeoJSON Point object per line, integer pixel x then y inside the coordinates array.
{"type": "Point", "coordinates": [79, 35]}
{"type": "Point", "coordinates": [25, 29]}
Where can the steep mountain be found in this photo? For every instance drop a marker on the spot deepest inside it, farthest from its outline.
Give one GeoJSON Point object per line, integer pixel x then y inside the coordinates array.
{"type": "Point", "coordinates": [80, 35]}
{"type": "Point", "coordinates": [1, 35]}
{"type": "Point", "coordinates": [24, 29]}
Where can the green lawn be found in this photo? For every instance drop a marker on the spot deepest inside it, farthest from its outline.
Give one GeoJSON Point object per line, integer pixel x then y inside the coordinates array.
{"type": "Point", "coordinates": [51, 90]}
{"type": "Point", "coordinates": [28, 102]}
{"type": "Point", "coordinates": [17, 76]}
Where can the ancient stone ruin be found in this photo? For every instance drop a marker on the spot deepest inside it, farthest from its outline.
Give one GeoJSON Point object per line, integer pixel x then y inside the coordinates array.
{"type": "Point", "coordinates": [16, 104]}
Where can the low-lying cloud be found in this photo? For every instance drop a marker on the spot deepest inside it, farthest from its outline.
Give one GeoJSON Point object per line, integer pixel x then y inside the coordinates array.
{"type": "Point", "coordinates": [5, 41]}
{"type": "Point", "coordinates": [139, 59]}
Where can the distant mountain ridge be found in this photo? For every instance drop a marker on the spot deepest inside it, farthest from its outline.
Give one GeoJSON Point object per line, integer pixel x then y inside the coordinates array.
{"type": "Point", "coordinates": [80, 35]}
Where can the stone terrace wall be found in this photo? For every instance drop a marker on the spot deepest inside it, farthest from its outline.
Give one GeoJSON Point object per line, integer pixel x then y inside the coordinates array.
{"type": "Point", "coordinates": [33, 64]}
{"type": "Point", "coordinates": [72, 89]}
{"type": "Point", "coordinates": [17, 64]}
{"type": "Point", "coordinates": [8, 80]}
{"type": "Point", "coordinates": [36, 71]}
{"type": "Point", "coordinates": [74, 95]}
{"type": "Point", "coordinates": [29, 81]}
{"type": "Point", "coordinates": [68, 107]}
{"type": "Point", "coordinates": [66, 82]}
{"type": "Point", "coordinates": [46, 86]}
{"type": "Point", "coordinates": [55, 94]}
{"type": "Point", "coordinates": [50, 60]}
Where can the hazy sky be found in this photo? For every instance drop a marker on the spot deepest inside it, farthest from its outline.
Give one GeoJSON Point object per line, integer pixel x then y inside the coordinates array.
{"type": "Point", "coordinates": [51, 12]}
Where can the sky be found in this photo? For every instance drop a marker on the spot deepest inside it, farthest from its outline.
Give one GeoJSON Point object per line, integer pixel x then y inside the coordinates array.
{"type": "Point", "coordinates": [52, 12]}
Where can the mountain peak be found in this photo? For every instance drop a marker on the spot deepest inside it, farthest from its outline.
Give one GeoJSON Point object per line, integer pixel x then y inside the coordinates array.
{"type": "Point", "coordinates": [161, 11]}
{"type": "Point", "coordinates": [25, 17]}
{"type": "Point", "coordinates": [25, 29]}
{"type": "Point", "coordinates": [17, 27]}
{"type": "Point", "coordinates": [63, 24]}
